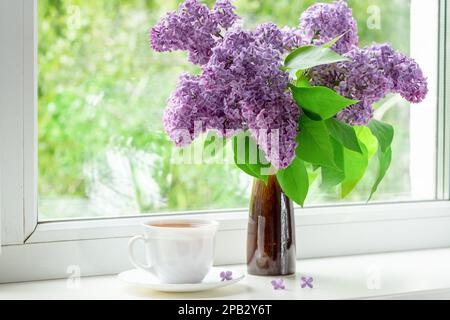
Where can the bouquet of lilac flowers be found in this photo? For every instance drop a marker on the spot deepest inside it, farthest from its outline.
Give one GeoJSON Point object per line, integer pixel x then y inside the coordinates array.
{"type": "Point", "coordinates": [303, 97]}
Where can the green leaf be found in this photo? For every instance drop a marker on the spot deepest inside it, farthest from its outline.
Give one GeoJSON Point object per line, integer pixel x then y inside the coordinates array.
{"type": "Point", "coordinates": [314, 144]}
{"type": "Point", "coordinates": [249, 158]}
{"type": "Point", "coordinates": [385, 159]}
{"type": "Point", "coordinates": [308, 57]}
{"type": "Point", "coordinates": [333, 42]}
{"type": "Point", "coordinates": [356, 164]}
{"type": "Point", "coordinates": [344, 133]}
{"type": "Point", "coordinates": [366, 138]}
{"type": "Point", "coordinates": [331, 177]}
{"type": "Point", "coordinates": [313, 174]}
{"type": "Point", "coordinates": [355, 168]}
{"type": "Point", "coordinates": [320, 103]}
{"type": "Point", "coordinates": [302, 80]}
{"type": "Point", "coordinates": [295, 181]}
{"type": "Point", "coordinates": [383, 132]}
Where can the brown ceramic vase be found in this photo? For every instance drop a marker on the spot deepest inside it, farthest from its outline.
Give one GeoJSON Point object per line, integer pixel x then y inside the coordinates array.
{"type": "Point", "coordinates": [271, 231]}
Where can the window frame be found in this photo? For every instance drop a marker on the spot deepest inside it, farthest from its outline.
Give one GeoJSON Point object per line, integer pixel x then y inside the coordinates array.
{"type": "Point", "coordinates": [34, 251]}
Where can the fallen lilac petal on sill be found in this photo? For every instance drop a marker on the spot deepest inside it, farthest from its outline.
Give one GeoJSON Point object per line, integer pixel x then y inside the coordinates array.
{"type": "Point", "coordinates": [226, 276]}
{"type": "Point", "coordinates": [307, 282]}
{"type": "Point", "coordinates": [278, 284]}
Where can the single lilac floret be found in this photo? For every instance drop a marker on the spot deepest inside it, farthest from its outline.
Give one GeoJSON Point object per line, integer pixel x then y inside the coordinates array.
{"type": "Point", "coordinates": [306, 282]}
{"type": "Point", "coordinates": [226, 276]}
{"type": "Point", "coordinates": [278, 284]}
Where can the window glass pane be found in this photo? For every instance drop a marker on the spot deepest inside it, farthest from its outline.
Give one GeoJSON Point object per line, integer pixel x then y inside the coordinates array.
{"type": "Point", "coordinates": [102, 92]}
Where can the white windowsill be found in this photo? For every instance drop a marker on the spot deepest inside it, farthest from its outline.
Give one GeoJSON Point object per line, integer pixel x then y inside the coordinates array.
{"type": "Point", "coordinates": [410, 275]}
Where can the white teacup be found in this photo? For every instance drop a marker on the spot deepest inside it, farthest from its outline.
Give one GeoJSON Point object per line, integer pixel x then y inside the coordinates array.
{"type": "Point", "coordinates": [178, 251]}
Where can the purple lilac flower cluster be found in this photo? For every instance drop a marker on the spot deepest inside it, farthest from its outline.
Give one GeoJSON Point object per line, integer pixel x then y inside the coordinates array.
{"type": "Point", "coordinates": [372, 72]}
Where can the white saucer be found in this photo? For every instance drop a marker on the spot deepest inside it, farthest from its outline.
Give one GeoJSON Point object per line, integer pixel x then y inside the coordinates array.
{"type": "Point", "coordinates": [143, 279]}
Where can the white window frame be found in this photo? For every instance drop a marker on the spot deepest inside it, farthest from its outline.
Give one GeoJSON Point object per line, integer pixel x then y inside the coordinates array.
{"type": "Point", "coordinates": [36, 251]}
